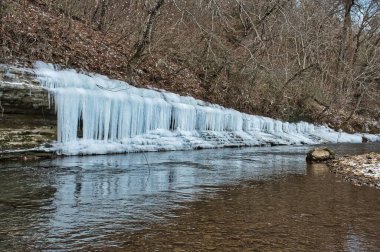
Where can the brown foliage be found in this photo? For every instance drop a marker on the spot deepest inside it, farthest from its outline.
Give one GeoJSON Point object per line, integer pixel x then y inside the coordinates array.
{"type": "Point", "coordinates": [294, 60]}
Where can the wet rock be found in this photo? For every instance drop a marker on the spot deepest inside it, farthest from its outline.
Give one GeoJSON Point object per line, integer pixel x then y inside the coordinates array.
{"type": "Point", "coordinates": [48, 145]}
{"type": "Point", "coordinates": [364, 139]}
{"type": "Point", "coordinates": [318, 155]}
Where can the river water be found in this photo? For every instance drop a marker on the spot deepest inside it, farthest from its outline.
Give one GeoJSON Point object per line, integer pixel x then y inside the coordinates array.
{"type": "Point", "coordinates": [250, 199]}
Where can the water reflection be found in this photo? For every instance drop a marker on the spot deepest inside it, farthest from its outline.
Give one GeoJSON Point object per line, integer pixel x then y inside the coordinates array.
{"type": "Point", "coordinates": [69, 203]}
{"type": "Point", "coordinates": [317, 169]}
{"type": "Point", "coordinates": [292, 213]}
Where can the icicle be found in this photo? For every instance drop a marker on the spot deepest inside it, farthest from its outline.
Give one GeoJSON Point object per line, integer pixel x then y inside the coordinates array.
{"type": "Point", "coordinates": [116, 117]}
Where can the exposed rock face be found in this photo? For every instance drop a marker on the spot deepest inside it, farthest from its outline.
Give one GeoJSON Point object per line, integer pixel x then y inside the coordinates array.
{"type": "Point", "coordinates": [319, 155]}
{"type": "Point", "coordinates": [21, 94]}
{"type": "Point", "coordinates": [26, 119]}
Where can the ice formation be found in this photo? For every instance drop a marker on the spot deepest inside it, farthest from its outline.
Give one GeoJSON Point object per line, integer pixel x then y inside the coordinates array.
{"type": "Point", "coordinates": [97, 115]}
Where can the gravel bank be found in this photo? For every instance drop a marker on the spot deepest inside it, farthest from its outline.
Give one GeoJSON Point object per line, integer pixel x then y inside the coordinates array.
{"type": "Point", "coordinates": [359, 169]}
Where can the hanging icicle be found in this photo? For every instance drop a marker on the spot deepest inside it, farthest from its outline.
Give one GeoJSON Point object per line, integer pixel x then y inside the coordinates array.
{"type": "Point", "coordinates": [99, 115]}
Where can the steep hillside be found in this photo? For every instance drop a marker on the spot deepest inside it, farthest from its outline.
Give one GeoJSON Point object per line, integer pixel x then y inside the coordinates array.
{"type": "Point", "coordinates": [33, 32]}
{"type": "Point", "coordinates": [275, 58]}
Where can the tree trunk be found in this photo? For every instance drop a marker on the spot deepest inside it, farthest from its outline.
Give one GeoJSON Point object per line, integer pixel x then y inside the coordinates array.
{"type": "Point", "coordinates": [103, 15]}
{"type": "Point", "coordinates": [143, 41]}
{"type": "Point", "coordinates": [346, 31]}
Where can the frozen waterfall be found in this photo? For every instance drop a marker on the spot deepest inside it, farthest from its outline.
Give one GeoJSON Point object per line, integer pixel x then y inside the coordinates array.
{"type": "Point", "coordinates": [97, 115]}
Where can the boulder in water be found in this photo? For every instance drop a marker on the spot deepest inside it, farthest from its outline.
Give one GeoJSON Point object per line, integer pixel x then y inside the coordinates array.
{"type": "Point", "coordinates": [318, 155]}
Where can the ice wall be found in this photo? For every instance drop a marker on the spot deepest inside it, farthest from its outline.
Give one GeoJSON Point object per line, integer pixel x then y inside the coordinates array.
{"type": "Point", "coordinates": [97, 115]}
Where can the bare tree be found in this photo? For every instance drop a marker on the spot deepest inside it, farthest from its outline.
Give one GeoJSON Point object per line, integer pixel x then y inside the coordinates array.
{"type": "Point", "coordinates": [290, 59]}
{"type": "Point", "coordinates": [144, 39]}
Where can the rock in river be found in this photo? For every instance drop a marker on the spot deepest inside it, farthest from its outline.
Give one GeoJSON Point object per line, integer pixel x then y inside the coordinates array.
{"type": "Point", "coordinates": [318, 155]}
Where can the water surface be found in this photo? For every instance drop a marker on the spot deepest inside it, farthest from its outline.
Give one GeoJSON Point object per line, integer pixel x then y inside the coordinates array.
{"type": "Point", "coordinates": [263, 198]}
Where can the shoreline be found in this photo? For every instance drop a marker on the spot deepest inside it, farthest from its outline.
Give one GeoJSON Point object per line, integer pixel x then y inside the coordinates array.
{"type": "Point", "coordinates": [26, 155]}
{"type": "Point", "coordinates": [360, 170]}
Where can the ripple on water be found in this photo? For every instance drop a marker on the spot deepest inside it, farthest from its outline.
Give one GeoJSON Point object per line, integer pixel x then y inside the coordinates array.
{"type": "Point", "coordinates": [227, 199]}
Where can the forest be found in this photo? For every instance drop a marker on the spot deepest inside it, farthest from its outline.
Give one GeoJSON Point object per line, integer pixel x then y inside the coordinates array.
{"type": "Point", "coordinates": [294, 60]}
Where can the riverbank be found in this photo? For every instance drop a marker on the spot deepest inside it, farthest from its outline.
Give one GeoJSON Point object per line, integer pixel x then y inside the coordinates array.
{"type": "Point", "coordinates": [28, 119]}
{"type": "Point", "coordinates": [25, 155]}
{"type": "Point", "coordinates": [358, 169]}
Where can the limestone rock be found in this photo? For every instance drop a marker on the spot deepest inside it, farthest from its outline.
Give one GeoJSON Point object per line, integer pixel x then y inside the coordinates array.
{"type": "Point", "coordinates": [27, 120]}
{"type": "Point", "coordinates": [318, 155]}
{"type": "Point", "coordinates": [20, 94]}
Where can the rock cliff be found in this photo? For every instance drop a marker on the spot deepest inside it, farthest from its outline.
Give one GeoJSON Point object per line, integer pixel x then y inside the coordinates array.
{"type": "Point", "coordinates": [27, 119]}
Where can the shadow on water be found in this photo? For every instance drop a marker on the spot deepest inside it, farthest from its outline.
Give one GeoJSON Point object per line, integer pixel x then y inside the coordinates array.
{"type": "Point", "coordinates": [227, 199]}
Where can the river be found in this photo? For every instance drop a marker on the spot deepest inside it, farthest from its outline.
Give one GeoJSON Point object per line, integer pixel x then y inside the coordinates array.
{"type": "Point", "coordinates": [249, 199]}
